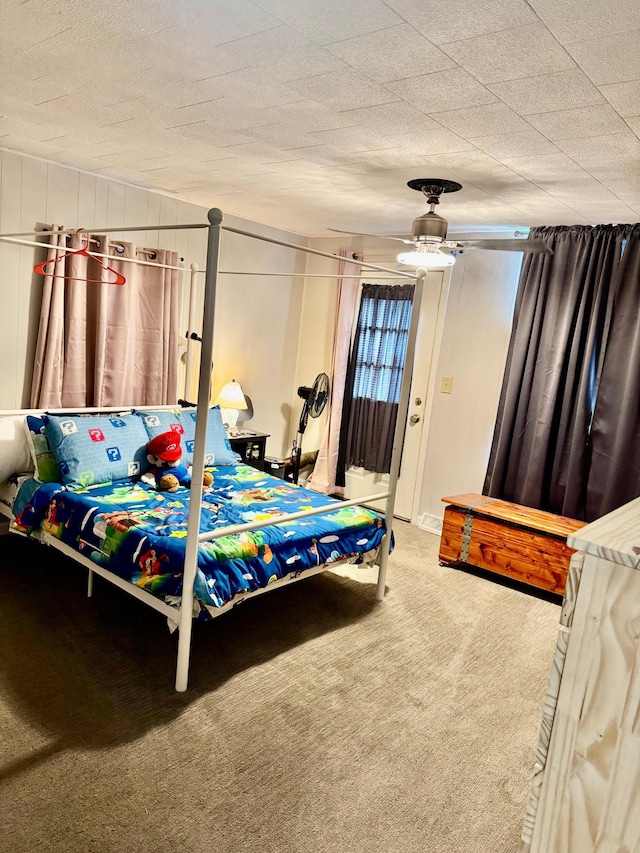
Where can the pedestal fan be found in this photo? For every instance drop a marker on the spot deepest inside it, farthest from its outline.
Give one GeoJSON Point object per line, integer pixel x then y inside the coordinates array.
{"type": "Point", "coordinates": [315, 399]}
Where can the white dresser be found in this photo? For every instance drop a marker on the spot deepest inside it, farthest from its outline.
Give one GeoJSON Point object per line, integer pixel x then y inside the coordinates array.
{"type": "Point", "coordinates": [585, 794]}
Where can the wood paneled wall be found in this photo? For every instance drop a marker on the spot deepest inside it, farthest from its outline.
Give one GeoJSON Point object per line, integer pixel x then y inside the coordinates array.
{"type": "Point", "coordinates": [257, 319]}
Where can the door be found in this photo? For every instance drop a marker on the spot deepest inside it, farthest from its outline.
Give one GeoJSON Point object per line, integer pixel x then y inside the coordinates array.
{"type": "Point", "coordinates": [362, 482]}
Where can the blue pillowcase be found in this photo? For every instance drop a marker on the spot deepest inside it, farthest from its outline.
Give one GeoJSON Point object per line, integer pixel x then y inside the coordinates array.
{"type": "Point", "coordinates": [44, 462]}
{"type": "Point", "coordinates": [217, 449]}
{"type": "Point", "coordinates": [97, 449]}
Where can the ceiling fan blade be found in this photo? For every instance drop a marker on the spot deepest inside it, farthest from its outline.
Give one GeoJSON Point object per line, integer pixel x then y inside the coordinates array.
{"type": "Point", "coordinates": [364, 234]}
{"type": "Point", "coordinates": [515, 245]}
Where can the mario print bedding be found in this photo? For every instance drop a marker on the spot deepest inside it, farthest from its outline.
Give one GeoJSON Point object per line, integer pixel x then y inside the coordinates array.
{"type": "Point", "coordinates": [140, 533]}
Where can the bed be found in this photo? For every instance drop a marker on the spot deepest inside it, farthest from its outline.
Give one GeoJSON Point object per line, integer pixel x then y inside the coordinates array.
{"type": "Point", "coordinates": [139, 533]}
{"type": "Point", "coordinates": [196, 552]}
{"type": "Point", "coordinates": [86, 495]}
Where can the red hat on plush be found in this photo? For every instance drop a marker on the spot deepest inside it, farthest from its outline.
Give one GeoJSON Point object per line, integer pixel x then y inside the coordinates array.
{"type": "Point", "coordinates": [166, 446]}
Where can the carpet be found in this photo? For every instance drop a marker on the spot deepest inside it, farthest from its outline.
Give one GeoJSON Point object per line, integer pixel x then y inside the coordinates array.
{"type": "Point", "coordinates": [317, 720]}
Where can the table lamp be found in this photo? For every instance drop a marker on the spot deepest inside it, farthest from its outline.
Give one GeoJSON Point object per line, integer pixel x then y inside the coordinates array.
{"type": "Point", "coordinates": [231, 400]}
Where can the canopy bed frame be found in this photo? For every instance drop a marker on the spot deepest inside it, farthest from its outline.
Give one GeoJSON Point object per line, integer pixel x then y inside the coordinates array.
{"type": "Point", "coordinates": [184, 613]}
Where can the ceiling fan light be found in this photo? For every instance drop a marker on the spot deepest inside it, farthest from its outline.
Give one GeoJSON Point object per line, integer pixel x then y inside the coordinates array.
{"type": "Point", "coordinates": [432, 260]}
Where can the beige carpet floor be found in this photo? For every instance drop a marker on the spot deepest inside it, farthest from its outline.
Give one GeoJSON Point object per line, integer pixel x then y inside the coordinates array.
{"type": "Point", "coordinates": [317, 720]}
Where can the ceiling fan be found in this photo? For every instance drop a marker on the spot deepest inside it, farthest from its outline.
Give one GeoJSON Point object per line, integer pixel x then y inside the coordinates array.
{"type": "Point", "coordinates": [429, 232]}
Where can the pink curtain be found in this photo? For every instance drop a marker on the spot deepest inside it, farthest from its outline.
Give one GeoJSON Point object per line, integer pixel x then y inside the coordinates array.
{"type": "Point", "coordinates": [101, 344]}
{"type": "Point", "coordinates": [323, 478]}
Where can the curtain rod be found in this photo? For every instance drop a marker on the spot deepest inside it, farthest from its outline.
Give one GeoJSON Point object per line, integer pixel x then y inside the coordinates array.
{"type": "Point", "coordinates": [125, 229]}
{"type": "Point", "coordinates": [120, 230]}
{"type": "Point", "coordinates": [311, 251]}
{"type": "Point", "coordinates": [17, 242]}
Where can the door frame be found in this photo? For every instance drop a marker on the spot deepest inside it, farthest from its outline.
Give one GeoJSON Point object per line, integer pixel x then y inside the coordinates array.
{"type": "Point", "coordinates": [361, 481]}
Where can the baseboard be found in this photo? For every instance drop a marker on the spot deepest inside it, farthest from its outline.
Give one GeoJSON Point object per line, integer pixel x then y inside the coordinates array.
{"type": "Point", "coordinates": [430, 523]}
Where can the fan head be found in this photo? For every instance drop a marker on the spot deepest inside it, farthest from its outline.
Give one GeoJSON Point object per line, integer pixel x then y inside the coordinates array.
{"type": "Point", "coordinates": [320, 395]}
{"type": "Point", "coordinates": [315, 399]}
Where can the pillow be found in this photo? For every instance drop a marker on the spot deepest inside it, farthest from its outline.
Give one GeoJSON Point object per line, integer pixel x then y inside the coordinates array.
{"type": "Point", "coordinates": [96, 449]}
{"type": "Point", "coordinates": [15, 456]}
{"type": "Point", "coordinates": [217, 450]}
{"type": "Point", "coordinates": [44, 462]}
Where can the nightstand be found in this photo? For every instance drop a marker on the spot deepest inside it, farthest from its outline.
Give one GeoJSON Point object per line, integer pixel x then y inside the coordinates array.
{"type": "Point", "coordinates": [251, 447]}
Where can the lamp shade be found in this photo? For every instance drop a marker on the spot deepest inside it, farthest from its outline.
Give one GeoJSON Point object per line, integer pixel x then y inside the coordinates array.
{"type": "Point", "coordinates": [231, 396]}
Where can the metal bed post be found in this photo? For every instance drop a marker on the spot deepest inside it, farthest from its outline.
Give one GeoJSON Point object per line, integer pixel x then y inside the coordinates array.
{"type": "Point", "coordinates": [195, 269]}
{"type": "Point", "coordinates": [195, 496]}
{"type": "Point", "coordinates": [401, 423]}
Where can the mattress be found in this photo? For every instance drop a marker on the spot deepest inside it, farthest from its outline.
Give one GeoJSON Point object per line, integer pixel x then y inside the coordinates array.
{"type": "Point", "coordinates": [139, 533]}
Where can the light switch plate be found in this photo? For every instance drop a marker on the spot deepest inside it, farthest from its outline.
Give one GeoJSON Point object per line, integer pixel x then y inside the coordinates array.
{"type": "Point", "coordinates": [446, 384]}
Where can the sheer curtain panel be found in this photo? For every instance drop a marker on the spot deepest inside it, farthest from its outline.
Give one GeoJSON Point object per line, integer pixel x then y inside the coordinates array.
{"type": "Point", "coordinates": [323, 478]}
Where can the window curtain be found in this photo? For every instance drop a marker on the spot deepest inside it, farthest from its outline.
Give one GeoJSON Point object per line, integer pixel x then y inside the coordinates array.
{"type": "Point", "coordinates": [373, 379]}
{"type": "Point", "coordinates": [101, 344]}
{"type": "Point", "coordinates": [540, 453]}
{"type": "Point", "coordinates": [614, 475]}
{"type": "Point", "coordinates": [323, 478]}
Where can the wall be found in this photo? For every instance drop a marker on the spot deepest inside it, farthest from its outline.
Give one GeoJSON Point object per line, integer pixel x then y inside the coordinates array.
{"type": "Point", "coordinates": [473, 351]}
{"type": "Point", "coordinates": [257, 318]}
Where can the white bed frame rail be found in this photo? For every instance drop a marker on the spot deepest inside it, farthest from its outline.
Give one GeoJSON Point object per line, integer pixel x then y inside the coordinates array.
{"type": "Point", "coordinates": [185, 612]}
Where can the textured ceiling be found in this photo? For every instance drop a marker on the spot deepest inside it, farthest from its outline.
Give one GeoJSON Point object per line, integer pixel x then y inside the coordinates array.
{"type": "Point", "coordinates": [311, 115]}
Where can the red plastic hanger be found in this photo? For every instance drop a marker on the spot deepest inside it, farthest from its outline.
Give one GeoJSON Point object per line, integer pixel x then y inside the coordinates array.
{"type": "Point", "coordinates": [39, 269]}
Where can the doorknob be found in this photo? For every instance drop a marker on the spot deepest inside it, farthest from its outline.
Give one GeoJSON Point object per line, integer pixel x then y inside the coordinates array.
{"type": "Point", "coordinates": [414, 419]}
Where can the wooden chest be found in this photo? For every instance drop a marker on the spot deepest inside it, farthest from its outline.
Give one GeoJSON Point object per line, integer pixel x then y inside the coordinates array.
{"type": "Point", "coordinates": [525, 544]}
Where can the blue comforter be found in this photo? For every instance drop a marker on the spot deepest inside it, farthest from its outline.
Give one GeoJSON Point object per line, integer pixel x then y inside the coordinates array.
{"type": "Point", "coordinates": [139, 533]}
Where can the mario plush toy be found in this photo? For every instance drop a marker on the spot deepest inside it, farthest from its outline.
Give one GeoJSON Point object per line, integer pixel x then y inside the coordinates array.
{"type": "Point", "coordinates": [167, 472]}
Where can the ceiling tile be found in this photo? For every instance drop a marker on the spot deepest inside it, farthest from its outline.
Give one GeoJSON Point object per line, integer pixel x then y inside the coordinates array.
{"type": "Point", "coordinates": [634, 124]}
{"type": "Point", "coordinates": [281, 137]}
{"type": "Point", "coordinates": [389, 158]}
{"type": "Point", "coordinates": [444, 90]}
{"type": "Point", "coordinates": [578, 20]}
{"type": "Point", "coordinates": [331, 20]}
{"type": "Point", "coordinates": [322, 155]}
{"type": "Point", "coordinates": [545, 169]}
{"type": "Point", "coordinates": [389, 118]}
{"type": "Point", "coordinates": [281, 52]}
{"type": "Point", "coordinates": [613, 59]}
{"type": "Point", "coordinates": [623, 97]}
{"type": "Point", "coordinates": [301, 116]}
{"type": "Point", "coordinates": [392, 54]}
{"type": "Point", "coordinates": [513, 53]}
{"type": "Point", "coordinates": [545, 92]}
{"type": "Point", "coordinates": [584, 190]}
{"type": "Point", "coordinates": [217, 23]}
{"type": "Point", "coordinates": [606, 211]}
{"type": "Point", "coordinates": [561, 177]}
{"type": "Point", "coordinates": [458, 19]}
{"type": "Point", "coordinates": [585, 121]}
{"type": "Point", "coordinates": [439, 141]}
{"type": "Point", "coordinates": [514, 144]}
{"type": "Point", "coordinates": [593, 150]}
{"type": "Point", "coordinates": [342, 90]}
{"type": "Point", "coordinates": [477, 168]}
{"type": "Point", "coordinates": [476, 121]}
{"type": "Point", "coordinates": [351, 140]}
